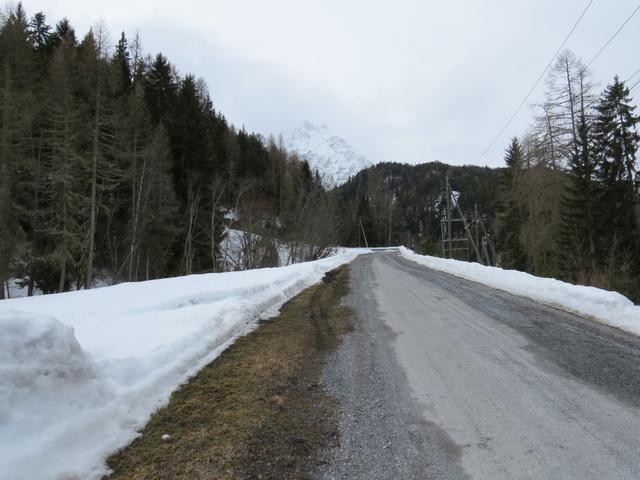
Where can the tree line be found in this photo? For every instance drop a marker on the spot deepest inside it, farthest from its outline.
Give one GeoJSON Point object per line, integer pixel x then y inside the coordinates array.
{"type": "Point", "coordinates": [111, 162]}
{"type": "Point", "coordinates": [569, 204]}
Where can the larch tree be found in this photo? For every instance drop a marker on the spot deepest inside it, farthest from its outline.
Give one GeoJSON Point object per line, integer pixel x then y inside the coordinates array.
{"type": "Point", "coordinates": [64, 159]}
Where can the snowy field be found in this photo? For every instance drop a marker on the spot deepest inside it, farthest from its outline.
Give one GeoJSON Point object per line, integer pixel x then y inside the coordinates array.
{"type": "Point", "coordinates": [606, 307]}
{"type": "Point", "coordinates": [81, 372]}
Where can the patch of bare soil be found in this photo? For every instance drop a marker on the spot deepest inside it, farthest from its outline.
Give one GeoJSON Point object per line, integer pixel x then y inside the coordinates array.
{"type": "Point", "coordinates": [258, 411]}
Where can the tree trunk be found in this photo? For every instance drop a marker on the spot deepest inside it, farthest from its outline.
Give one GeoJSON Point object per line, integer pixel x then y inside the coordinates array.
{"type": "Point", "coordinates": [136, 193]}
{"type": "Point", "coordinates": [63, 274]}
{"type": "Point", "coordinates": [94, 181]}
{"type": "Point", "coordinates": [194, 200]}
{"type": "Point", "coordinates": [6, 242]}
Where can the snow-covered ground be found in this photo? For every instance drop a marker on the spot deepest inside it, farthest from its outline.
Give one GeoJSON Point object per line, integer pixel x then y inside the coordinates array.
{"type": "Point", "coordinates": [16, 290]}
{"type": "Point", "coordinates": [235, 241]}
{"type": "Point", "coordinates": [604, 306]}
{"type": "Point", "coordinates": [81, 372]}
{"type": "Point", "coordinates": [232, 245]}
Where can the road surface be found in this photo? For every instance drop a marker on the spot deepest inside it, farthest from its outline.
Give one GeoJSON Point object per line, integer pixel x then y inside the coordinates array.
{"type": "Point", "coordinates": [447, 379]}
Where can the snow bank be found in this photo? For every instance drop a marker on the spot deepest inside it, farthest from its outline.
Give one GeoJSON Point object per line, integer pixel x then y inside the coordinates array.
{"type": "Point", "coordinates": [81, 372]}
{"type": "Point", "coordinates": [603, 306]}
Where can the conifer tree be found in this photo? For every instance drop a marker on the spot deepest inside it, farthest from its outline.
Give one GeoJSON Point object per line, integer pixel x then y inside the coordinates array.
{"type": "Point", "coordinates": [161, 89]}
{"type": "Point", "coordinates": [512, 215]}
{"type": "Point", "coordinates": [159, 210]}
{"type": "Point", "coordinates": [579, 255]}
{"type": "Point", "coordinates": [122, 63]}
{"type": "Point", "coordinates": [65, 213]}
{"type": "Point", "coordinates": [616, 141]}
{"type": "Point", "coordinates": [40, 31]}
{"type": "Point", "coordinates": [16, 73]}
{"type": "Point", "coordinates": [579, 229]}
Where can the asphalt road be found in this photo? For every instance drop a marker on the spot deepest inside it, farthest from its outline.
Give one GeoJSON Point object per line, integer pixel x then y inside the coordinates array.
{"type": "Point", "coordinates": [443, 378]}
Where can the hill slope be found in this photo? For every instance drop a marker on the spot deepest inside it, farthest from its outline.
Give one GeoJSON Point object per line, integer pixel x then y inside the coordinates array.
{"type": "Point", "coordinates": [402, 204]}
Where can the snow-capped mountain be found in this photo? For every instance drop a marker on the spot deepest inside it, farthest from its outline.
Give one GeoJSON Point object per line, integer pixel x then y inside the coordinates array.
{"type": "Point", "coordinates": [334, 158]}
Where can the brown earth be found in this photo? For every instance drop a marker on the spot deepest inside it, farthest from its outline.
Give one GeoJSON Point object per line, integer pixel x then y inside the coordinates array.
{"type": "Point", "coordinates": [258, 411]}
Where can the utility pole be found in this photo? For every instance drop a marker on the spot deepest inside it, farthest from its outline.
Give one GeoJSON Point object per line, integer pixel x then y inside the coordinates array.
{"type": "Point", "coordinates": [363, 234]}
{"type": "Point", "coordinates": [446, 228]}
{"type": "Point", "coordinates": [476, 221]}
{"type": "Point", "coordinates": [448, 192]}
{"type": "Point", "coordinates": [442, 238]}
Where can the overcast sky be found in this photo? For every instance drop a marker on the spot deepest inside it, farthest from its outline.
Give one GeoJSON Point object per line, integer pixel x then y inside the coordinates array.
{"type": "Point", "coordinates": [403, 80]}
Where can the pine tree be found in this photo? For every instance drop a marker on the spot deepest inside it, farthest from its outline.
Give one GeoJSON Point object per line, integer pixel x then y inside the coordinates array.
{"type": "Point", "coordinates": [578, 208]}
{"type": "Point", "coordinates": [161, 90]}
{"type": "Point", "coordinates": [63, 32]}
{"type": "Point", "coordinates": [512, 215]}
{"type": "Point", "coordinates": [16, 75]}
{"type": "Point", "coordinates": [616, 141]}
{"type": "Point", "coordinates": [40, 31]}
{"type": "Point", "coordinates": [122, 64]}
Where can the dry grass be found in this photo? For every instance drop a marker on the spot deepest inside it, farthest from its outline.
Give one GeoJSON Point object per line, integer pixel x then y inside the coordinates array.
{"type": "Point", "coordinates": [258, 411]}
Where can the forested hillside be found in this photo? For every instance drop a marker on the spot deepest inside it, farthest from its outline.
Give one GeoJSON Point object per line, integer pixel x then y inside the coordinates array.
{"type": "Point", "coordinates": [403, 204]}
{"type": "Point", "coordinates": [113, 162]}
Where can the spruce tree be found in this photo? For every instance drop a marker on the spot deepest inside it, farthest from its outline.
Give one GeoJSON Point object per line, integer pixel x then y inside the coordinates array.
{"type": "Point", "coordinates": [40, 31]}
{"type": "Point", "coordinates": [161, 90]}
{"type": "Point", "coordinates": [616, 141]}
{"type": "Point", "coordinates": [579, 232]}
{"type": "Point", "coordinates": [122, 64]}
{"type": "Point", "coordinates": [512, 215]}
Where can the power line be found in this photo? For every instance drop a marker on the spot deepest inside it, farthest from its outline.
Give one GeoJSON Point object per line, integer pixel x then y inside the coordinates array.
{"type": "Point", "coordinates": [613, 36]}
{"type": "Point", "coordinates": [634, 86]}
{"type": "Point", "coordinates": [564, 42]}
{"type": "Point", "coordinates": [632, 75]}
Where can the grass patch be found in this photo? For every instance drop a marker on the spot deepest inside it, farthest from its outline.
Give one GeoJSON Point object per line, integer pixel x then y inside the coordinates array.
{"type": "Point", "coordinates": [258, 411]}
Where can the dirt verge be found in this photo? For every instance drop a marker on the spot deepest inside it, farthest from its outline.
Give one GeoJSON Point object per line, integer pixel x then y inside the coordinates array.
{"type": "Point", "coordinates": [258, 411]}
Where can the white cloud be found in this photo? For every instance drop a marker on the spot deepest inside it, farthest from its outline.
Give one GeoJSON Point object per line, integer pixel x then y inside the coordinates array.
{"type": "Point", "coordinates": [406, 80]}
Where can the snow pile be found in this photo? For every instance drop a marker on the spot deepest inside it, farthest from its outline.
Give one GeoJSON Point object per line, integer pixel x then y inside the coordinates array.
{"type": "Point", "coordinates": [235, 242]}
{"type": "Point", "coordinates": [603, 306]}
{"type": "Point", "coordinates": [81, 372]}
{"type": "Point", "coordinates": [17, 290]}
{"type": "Point", "coordinates": [335, 159]}
{"type": "Point", "coordinates": [38, 354]}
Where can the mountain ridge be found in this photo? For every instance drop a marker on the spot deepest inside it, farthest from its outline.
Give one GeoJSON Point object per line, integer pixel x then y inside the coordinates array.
{"type": "Point", "coordinates": [335, 160]}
